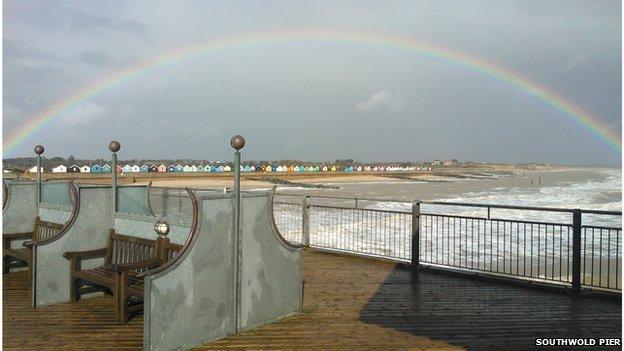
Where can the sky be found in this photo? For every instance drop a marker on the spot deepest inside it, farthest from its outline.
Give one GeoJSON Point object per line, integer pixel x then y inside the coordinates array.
{"type": "Point", "coordinates": [313, 100]}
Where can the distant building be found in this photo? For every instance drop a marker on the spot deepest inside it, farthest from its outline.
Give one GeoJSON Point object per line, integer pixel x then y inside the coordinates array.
{"type": "Point", "coordinates": [179, 168]}
{"type": "Point", "coordinates": [96, 169]}
{"type": "Point", "coordinates": [136, 169]}
{"type": "Point", "coordinates": [186, 169]}
{"type": "Point", "coordinates": [227, 169]}
{"type": "Point", "coordinates": [57, 169]}
{"type": "Point", "coordinates": [119, 168]}
{"type": "Point", "coordinates": [152, 169]}
{"type": "Point", "coordinates": [85, 169]}
{"type": "Point", "coordinates": [171, 168]}
{"type": "Point", "coordinates": [34, 169]}
{"type": "Point", "coordinates": [162, 168]}
{"type": "Point", "coordinates": [193, 168]}
{"type": "Point", "coordinates": [144, 169]}
{"type": "Point", "coordinates": [126, 169]}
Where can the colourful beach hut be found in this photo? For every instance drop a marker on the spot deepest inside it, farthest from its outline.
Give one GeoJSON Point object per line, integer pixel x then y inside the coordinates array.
{"type": "Point", "coordinates": [348, 169]}
{"type": "Point", "coordinates": [96, 169]}
{"type": "Point", "coordinates": [105, 168]}
{"type": "Point", "coordinates": [126, 169]}
{"type": "Point", "coordinates": [179, 168]}
{"type": "Point", "coordinates": [220, 169]}
{"type": "Point", "coordinates": [144, 169]}
{"type": "Point", "coordinates": [162, 168]}
{"type": "Point", "coordinates": [70, 169]}
{"type": "Point", "coordinates": [227, 169]}
{"type": "Point", "coordinates": [171, 168]}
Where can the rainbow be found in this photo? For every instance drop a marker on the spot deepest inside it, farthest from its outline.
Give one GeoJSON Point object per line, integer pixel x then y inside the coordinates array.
{"type": "Point", "coordinates": [591, 123]}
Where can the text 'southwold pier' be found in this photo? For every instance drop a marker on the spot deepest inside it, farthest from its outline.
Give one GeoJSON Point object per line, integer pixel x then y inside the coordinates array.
{"type": "Point", "coordinates": [117, 266]}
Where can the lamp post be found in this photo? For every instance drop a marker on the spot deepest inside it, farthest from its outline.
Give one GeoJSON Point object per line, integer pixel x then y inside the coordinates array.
{"type": "Point", "coordinates": [39, 150]}
{"type": "Point", "coordinates": [237, 142]}
{"type": "Point", "coordinates": [114, 146]}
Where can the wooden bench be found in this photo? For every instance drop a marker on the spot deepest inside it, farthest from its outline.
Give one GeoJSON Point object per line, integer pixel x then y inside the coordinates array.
{"type": "Point", "coordinates": [15, 257]}
{"type": "Point", "coordinates": [127, 259]}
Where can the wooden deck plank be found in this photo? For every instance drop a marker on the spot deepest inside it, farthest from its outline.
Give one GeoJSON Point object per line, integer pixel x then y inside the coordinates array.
{"type": "Point", "coordinates": [350, 303]}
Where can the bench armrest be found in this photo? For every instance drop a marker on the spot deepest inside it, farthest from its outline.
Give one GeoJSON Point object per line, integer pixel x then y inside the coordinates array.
{"type": "Point", "coordinates": [86, 254]}
{"type": "Point", "coordinates": [124, 267]}
{"type": "Point", "coordinates": [28, 244]}
{"type": "Point", "coordinates": [17, 236]}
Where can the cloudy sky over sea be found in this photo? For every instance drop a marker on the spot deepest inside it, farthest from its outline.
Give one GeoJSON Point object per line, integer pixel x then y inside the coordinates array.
{"type": "Point", "coordinates": [318, 99]}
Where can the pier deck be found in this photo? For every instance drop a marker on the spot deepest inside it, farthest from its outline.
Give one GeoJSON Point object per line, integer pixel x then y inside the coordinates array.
{"type": "Point", "coordinates": [350, 303]}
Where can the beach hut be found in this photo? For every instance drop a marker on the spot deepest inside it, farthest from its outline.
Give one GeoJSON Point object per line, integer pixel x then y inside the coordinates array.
{"type": "Point", "coordinates": [227, 169]}
{"type": "Point", "coordinates": [179, 168]}
{"type": "Point", "coordinates": [119, 169]}
{"type": "Point", "coordinates": [317, 168]}
{"type": "Point", "coordinates": [310, 169]}
{"type": "Point", "coordinates": [162, 168]}
{"type": "Point", "coordinates": [367, 168]}
{"type": "Point", "coordinates": [348, 169]}
{"type": "Point", "coordinates": [171, 168]}
{"type": "Point", "coordinates": [295, 169]}
{"type": "Point", "coordinates": [280, 169]}
{"type": "Point", "coordinates": [252, 168]}
{"type": "Point", "coordinates": [152, 169]}
{"type": "Point", "coordinates": [58, 169]}
{"type": "Point", "coordinates": [268, 169]}
{"type": "Point", "coordinates": [71, 169]}
{"type": "Point", "coordinates": [34, 169]}
{"type": "Point", "coordinates": [96, 169]}
{"type": "Point", "coordinates": [207, 168]}
{"type": "Point", "coordinates": [186, 169]}
{"type": "Point", "coordinates": [136, 169]}
{"type": "Point", "coordinates": [220, 169]}
{"type": "Point", "coordinates": [85, 169]}
{"type": "Point", "coordinates": [105, 168]}
{"type": "Point", "coordinates": [193, 168]}
{"type": "Point", "coordinates": [333, 168]}
{"type": "Point", "coordinates": [246, 169]}
{"type": "Point", "coordinates": [126, 169]}
{"type": "Point", "coordinates": [324, 169]}
{"type": "Point", "coordinates": [359, 169]}
{"type": "Point", "coordinates": [144, 169]}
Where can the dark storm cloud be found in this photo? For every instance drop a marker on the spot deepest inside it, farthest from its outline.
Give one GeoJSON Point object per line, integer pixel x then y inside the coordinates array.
{"type": "Point", "coordinates": [317, 100]}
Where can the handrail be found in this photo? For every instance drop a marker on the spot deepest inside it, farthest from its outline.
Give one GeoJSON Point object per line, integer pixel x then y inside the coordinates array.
{"type": "Point", "coordinates": [187, 244]}
{"type": "Point", "coordinates": [463, 204]}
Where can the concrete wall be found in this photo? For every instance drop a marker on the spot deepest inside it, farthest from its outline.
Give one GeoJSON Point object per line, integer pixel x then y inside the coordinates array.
{"type": "Point", "coordinates": [195, 300]}
{"type": "Point", "coordinates": [271, 278]}
{"type": "Point", "coordinates": [192, 302]}
{"type": "Point", "coordinates": [88, 231]}
{"type": "Point", "coordinates": [21, 209]}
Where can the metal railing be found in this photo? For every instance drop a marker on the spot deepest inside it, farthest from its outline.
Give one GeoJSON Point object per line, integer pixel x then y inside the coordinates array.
{"type": "Point", "coordinates": [571, 247]}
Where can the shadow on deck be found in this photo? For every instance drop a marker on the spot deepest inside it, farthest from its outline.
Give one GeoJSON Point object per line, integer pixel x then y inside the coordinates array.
{"type": "Point", "coordinates": [350, 303]}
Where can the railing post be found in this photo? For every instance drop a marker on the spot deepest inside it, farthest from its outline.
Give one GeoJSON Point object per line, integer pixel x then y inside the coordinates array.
{"type": "Point", "coordinates": [576, 250]}
{"type": "Point", "coordinates": [305, 221]}
{"type": "Point", "coordinates": [415, 235]}
{"type": "Point", "coordinates": [237, 142]}
{"type": "Point", "coordinates": [114, 146]}
{"type": "Point", "coordinates": [38, 150]}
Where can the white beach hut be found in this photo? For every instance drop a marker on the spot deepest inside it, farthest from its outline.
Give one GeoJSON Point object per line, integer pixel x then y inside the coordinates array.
{"type": "Point", "coordinates": [59, 169]}
{"type": "Point", "coordinates": [85, 169]}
